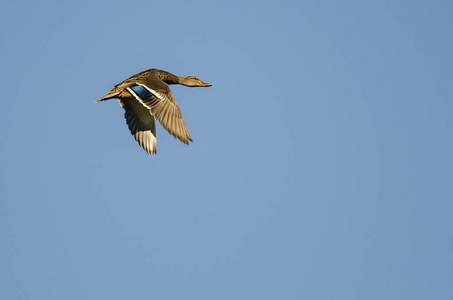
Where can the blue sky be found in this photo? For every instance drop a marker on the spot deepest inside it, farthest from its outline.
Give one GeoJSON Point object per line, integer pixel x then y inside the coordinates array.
{"type": "Point", "coordinates": [321, 166]}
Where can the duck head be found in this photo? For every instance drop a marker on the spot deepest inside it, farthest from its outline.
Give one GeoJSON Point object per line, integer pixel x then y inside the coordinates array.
{"type": "Point", "coordinates": [192, 81]}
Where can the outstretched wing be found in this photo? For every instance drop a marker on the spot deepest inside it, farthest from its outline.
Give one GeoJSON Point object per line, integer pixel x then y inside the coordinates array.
{"type": "Point", "coordinates": [162, 106]}
{"type": "Point", "coordinates": [141, 123]}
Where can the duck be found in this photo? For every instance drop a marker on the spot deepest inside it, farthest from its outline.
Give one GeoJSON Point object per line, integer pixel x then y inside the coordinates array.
{"type": "Point", "coordinates": [146, 97]}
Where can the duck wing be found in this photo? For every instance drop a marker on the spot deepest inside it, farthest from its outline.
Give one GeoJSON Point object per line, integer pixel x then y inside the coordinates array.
{"type": "Point", "coordinates": [156, 96]}
{"type": "Point", "coordinates": [141, 123]}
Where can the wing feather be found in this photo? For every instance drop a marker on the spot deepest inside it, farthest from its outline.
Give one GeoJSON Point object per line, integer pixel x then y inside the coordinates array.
{"type": "Point", "coordinates": [141, 124]}
{"type": "Point", "coordinates": [164, 108]}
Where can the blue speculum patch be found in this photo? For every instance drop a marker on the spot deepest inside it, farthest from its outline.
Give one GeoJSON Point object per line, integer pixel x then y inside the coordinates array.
{"type": "Point", "coordinates": [141, 91]}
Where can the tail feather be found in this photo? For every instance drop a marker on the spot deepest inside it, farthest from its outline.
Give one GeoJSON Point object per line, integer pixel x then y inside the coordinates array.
{"type": "Point", "coordinates": [110, 95]}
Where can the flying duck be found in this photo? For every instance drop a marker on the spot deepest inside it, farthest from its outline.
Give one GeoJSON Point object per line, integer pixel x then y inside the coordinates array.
{"type": "Point", "coordinates": [145, 97]}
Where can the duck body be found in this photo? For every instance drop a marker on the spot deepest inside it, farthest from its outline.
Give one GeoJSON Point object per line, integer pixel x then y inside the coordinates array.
{"type": "Point", "coordinates": [147, 97]}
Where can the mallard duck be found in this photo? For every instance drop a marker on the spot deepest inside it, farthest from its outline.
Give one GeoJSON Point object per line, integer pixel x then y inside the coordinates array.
{"type": "Point", "coordinates": [145, 97]}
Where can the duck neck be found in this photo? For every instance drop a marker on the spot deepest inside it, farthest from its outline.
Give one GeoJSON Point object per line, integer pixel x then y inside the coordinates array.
{"type": "Point", "coordinates": [169, 78]}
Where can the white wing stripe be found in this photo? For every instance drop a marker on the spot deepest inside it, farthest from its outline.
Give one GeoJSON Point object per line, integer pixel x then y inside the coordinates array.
{"type": "Point", "coordinates": [158, 95]}
{"type": "Point", "coordinates": [137, 97]}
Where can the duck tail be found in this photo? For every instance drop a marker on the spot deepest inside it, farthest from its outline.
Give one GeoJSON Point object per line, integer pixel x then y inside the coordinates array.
{"type": "Point", "coordinates": [111, 95]}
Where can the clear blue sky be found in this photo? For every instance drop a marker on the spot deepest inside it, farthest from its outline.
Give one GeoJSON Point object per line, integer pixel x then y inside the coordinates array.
{"type": "Point", "coordinates": [321, 166]}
